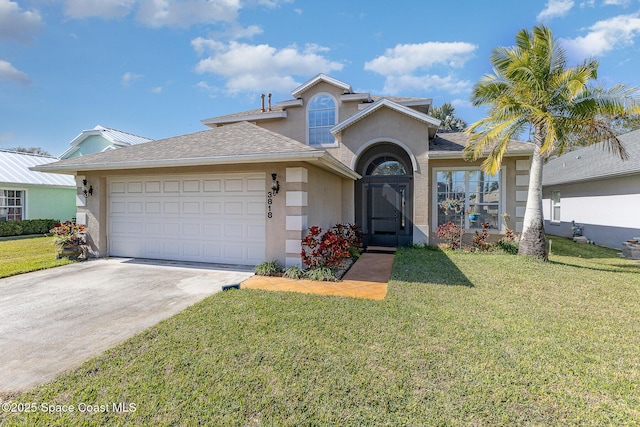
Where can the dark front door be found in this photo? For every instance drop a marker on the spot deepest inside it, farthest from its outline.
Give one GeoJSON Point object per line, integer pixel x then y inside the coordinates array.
{"type": "Point", "coordinates": [384, 199]}
{"type": "Point", "coordinates": [386, 211]}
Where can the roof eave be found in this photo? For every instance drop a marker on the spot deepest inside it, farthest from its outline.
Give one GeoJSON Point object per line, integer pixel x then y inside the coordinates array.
{"type": "Point", "coordinates": [593, 177]}
{"type": "Point", "coordinates": [444, 155]}
{"type": "Point", "coordinates": [325, 160]}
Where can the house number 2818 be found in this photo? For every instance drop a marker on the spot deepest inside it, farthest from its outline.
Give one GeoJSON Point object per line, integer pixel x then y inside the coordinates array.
{"type": "Point", "coordinates": [269, 203]}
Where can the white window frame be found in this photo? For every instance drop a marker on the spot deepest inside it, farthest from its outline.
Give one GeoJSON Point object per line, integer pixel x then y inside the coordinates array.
{"type": "Point", "coordinates": [554, 205]}
{"type": "Point", "coordinates": [308, 104]}
{"type": "Point", "coordinates": [434, 196]}
{"type": "Point", "coordinates": [23, 200]}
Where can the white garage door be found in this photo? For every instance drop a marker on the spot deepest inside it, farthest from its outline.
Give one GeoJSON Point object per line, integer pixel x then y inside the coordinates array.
{"type": "Point", "coordinates": [205, 218]}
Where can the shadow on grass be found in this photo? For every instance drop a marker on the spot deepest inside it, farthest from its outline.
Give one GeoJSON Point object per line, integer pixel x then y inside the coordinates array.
{"type": "Point", "coordinates": [427, 265]}
{"type": "Point", "coordinates": [608, 268]}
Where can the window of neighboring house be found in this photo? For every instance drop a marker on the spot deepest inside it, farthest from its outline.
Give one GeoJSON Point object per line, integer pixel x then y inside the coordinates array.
{"type": "Point", "coordinates": [321, 116]}
{"type": "Point", "coordinates": [11, 205]}
{"type": "Point", "coordinates": [555, 206]}
{"type": "Point", "coordinates": [469, 197]}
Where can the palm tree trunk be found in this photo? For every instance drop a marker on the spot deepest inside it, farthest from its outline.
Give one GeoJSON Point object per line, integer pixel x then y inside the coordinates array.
{"type": "Point", "coordinates": [533, 241]}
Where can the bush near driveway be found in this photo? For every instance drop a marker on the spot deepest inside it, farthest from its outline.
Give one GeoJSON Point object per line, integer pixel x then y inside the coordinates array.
{"type": "Point", "coordinates": [22, 255]}
{"type": "Point", "coordinates": [461, 339]}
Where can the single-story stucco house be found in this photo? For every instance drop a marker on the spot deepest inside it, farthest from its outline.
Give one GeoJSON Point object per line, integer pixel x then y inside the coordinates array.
{"type": "Point", "coordinates": [597, 190]}
{"type": "Point", "coordinates": [247, 189]}
{"type": "Point", "coordinates": [27, 194]}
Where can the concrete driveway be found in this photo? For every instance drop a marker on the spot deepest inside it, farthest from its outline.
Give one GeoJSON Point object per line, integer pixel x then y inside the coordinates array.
{"type": "Point", "coordinates": [53, 320]}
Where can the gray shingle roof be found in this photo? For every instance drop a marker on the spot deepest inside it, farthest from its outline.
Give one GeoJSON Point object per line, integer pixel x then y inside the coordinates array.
{"type": "Point", "coordinates": [240, 142]}
{"type": "Point", "coordinates": [447, 143]}
{"type": "Point", "coordinates": [14, 169]}
{"type": "Point", "coordinates": [594, 162]}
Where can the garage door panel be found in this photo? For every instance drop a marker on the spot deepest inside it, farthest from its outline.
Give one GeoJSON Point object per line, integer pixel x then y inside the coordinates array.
{"type": "Point", "coordinates": [208, 218]}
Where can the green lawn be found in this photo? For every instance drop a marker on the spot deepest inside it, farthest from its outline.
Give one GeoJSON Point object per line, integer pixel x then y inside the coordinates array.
{"type": "Point", "coordinates": [461, 339]}
{"type": "Point", "coordinates": [21, 255]}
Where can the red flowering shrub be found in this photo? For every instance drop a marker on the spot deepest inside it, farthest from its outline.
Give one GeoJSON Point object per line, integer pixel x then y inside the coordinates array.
{"type": "Point", "coordinates": [480, 239]}
{"type": "Point", "coordinates": [331, 247]}
{"type": "Point", "coordinates": [68, 233]}
{"type": "Point", "coordinates": [450, 234]}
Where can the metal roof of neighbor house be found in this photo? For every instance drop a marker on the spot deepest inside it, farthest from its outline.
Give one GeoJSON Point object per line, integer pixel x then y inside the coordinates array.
{"type": "Point", "coordinates": [594, 162]}
{"type": "Point", "coordinates": [14, 169]}
{"type": "Point", "coordinates": [449, 144]}
{"type": "Point", "coordinates": [117, 137]}
{"type": "Point", "coordinates": [235, 143]}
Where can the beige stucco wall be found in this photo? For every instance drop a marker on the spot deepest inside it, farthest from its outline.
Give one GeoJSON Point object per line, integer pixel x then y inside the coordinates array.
{"type": "Point", "coordinates": [295, 125]}
{"type": "Point", "coordinates": [325, 208]}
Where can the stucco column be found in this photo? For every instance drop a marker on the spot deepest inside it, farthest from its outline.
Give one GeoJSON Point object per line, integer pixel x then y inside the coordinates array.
{"type": "Point", "coordinates": [296, 214]}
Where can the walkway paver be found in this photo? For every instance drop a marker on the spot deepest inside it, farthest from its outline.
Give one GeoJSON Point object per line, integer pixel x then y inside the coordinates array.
{"type": "Point", "coordinates": [367, 278]}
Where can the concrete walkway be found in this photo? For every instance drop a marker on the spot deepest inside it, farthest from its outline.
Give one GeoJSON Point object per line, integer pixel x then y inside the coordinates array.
{"type": "Point", "coordinates": [367, 278]}
{"type": "Point", "coordinates": [53, 320]}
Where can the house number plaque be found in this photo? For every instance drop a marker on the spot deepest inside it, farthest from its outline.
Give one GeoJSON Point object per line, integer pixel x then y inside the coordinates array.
{"type": "Point", "coordinates": [269, 203]}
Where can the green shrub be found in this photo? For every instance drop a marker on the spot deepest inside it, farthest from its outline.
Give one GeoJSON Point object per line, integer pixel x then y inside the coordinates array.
{"type": "Point", "coordinates": [27, 226]}
{"type": "Point", "coordinates": [268, 268]}
{"type": "Point", "coordinates": [321, 274]}
{"type": "Point", "coordinates": [293, 272]}
{"type": "Point", "coordinates": [508, 247]}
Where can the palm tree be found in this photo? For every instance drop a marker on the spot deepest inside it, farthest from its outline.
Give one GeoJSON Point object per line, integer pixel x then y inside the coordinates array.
{"type": "Point", "coordinates": [447, 116]}
{"type": "Point", "coordinates": [534, 90]}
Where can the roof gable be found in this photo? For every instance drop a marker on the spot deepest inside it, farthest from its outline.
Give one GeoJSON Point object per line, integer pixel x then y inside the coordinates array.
{"type": "Point", "coordinates": [594, 162]}
{"type": "Point", "coordinates": [116, 137]}
{"type": "Point", "coordinates": [386, 103]}
{"type": "Point", "coordinates": [321, 78]}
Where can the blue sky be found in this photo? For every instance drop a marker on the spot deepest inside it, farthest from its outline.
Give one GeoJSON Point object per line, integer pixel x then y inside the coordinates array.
{"type": "Point", "coordinates": [155, 68]}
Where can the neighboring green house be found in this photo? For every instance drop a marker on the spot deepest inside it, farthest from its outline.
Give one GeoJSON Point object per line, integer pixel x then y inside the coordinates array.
{"type": "Point", "coordinates": [100, 139]}
{"type": "Point", "coordinates": [26, 194]}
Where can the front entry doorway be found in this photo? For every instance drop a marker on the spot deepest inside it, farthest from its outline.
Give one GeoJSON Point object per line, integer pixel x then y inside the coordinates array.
{"type": "Point", "coordinates": [384, 196]}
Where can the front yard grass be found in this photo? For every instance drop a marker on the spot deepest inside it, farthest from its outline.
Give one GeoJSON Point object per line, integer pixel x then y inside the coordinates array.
{"type": "Point", "coordinates": [461, 339]}
{"type": "Point", "coordinates": [25, 254]}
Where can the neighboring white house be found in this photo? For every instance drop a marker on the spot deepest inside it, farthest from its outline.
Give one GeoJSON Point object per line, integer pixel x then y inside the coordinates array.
{"type": "Point", "coordinates": [597, 190]}
{"type": "Point", "coordinates": [100, 139]}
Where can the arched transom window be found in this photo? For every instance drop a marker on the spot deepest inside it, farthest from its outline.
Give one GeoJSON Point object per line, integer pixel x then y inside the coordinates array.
{"type": "Point", "coordinates": [322, 117]}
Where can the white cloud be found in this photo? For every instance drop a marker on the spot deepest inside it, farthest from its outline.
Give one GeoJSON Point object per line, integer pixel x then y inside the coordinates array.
{"type": "Point", "coordinates": [17, 24]}
{"type": "Point", "coordinates": [9, 73]}
{"type": "Point", "coordinates": [79, 9]}
{"type": "Point", "coordinates": [555, 9]}
{"type": "Point", "coordinates": [184, 13]}
{"type": "Point", "coordinates": [128, 77]}
{"type": "Point", "coordinates": [604, 36]}
{"type": "Point", "coordinates": [405, 66]}
{"type": "Point", "coordinates": [156, 90]}
{"type": "Point", "coordinates": [588, 3]}
{"type": "Point", "coordinates": [408, 58]}
{"type": "Point", "coordinates": [425, 83]}
{"type": "Point", "coordinates": [250, 68]}
{"type": "Point", "coordinates": [624, 3]}
{"type": "Point", "coordinates": [212, 91]}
